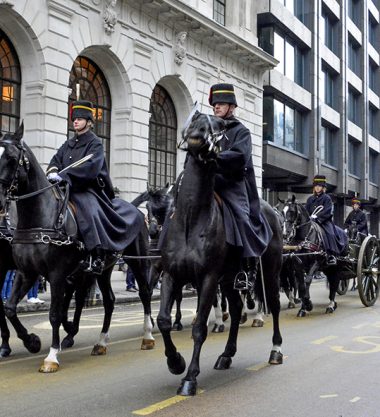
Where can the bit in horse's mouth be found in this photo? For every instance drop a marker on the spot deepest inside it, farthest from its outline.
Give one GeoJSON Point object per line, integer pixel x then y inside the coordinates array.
{"type": "Point", "coordinates": [194, 141]}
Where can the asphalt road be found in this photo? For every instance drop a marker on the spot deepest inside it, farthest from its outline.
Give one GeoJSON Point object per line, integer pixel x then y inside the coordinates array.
{"type": "Point", "coordinates": [331, 368]}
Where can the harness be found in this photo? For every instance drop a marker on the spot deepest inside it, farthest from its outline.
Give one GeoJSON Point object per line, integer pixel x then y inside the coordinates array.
{"type": "Point", "coordinates": [57, 235]}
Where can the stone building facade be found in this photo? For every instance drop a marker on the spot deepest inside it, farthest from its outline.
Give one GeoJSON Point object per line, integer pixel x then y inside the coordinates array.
{"type": "Point", "coordinates": [140, 61]}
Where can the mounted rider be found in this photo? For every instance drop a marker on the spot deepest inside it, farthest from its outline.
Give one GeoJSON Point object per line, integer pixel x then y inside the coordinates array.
{"type": "Point", "coordinates": [246, 228]}
{"type": "Point", "coordinates": [106, 224]}
{"type": "Point", "coordinates": [357, 216]}
{"type": "Point", "coordinates": [320, 209]}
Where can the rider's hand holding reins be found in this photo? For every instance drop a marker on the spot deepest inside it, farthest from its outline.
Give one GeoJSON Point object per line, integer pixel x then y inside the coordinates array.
{"type": "Point", "coordinates": [53, 177]}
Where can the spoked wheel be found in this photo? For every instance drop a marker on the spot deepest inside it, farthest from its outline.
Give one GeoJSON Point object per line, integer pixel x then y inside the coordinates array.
{"type": "Point", "coordinates": [368, 271]}
{"type": "Point", "coordinates": [343, 286]}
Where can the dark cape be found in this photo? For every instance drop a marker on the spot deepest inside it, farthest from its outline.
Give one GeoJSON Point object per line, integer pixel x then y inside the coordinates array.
{"type": "Point", "coordinates": [361, 221]}
{"type": "Point", "coordinates": [335, 241]}
{"type": "Point", "coordinates": [235, 182]}
{"type": "Point", "coordinates": [103, 220]}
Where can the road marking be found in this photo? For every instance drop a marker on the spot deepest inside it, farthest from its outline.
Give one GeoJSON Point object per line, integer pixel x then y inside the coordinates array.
{"type": "Point", "coordinates": [162, 404]}
{"type": "Point", "coordinates": [362, 339]}
{"type": "Point", "coordinates": [360, 326]}
{"type": "Point", "coordinates": [323, 340]}
{"type": "Point", "coordinates": [328, 396]}
{"type": "Point", "coordinates": [258, 367]}
{"type": "Point", "coordinates": [355, 399]}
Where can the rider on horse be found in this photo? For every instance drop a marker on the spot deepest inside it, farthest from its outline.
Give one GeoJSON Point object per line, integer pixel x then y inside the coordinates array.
{"type": "Point", "coordinates": [320, 209]}
{"type": "Point", "coordinates": [106, 224]}
{"type": "Point", "coordinates": [358, 217]}
{"type": "Point", "coordinates": [246, 228]}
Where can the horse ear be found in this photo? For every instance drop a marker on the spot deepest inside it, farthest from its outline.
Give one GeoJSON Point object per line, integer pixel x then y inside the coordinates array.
{"type": "Point", "coordinates": [293, 198]}
{"type": "Point", "coordinates": [281, 201]}
{"type": "Point", "coordinates": [19, 132]}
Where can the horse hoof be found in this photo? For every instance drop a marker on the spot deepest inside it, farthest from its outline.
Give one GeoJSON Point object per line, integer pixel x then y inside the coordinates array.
{"type": "Point", "coordinates": [176, 365]}
{"type": "Point", "coordinates": [49, 367]}
{"type": "Point", "coordinates": [218, 328]}
{"type": "Point", "coordinates": [177, 327]}
{"type": "Point", "coordinates": [301, 313]}
{"type": "Point", "coordinates": [275, 358]}
{"type": "Point", "coordinates": [331, 309]}
{"type": "Point", "coordinates": [187, 388]}
{"type": "Point", "coordinates": [99, 350]}
{"type": "Point", "coordinates": [257, 323]}
{"type": "Point", "coordinates": [291, 305]}
{"type": "Point", "coordinates": [243, 318]}
{"type": "Point", "coordinates": [67, 342]}
{"type": "Point", "coordinates": [33, 343]}
{"type": "Point", "coordinates": [147, 344]}
{"type": "Point", "coordinates": [5, 352]}
{"type": "Point", "coordinates": [225, 316]}
{"type": "Point", "coordinates": [223, 362]}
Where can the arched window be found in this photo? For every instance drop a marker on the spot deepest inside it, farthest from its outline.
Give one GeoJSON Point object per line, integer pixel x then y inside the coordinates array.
{"type": "Point", "coordinates": [87, 79]}
{"type": "Point", "coordinates": [162, 138]}
{"type": "Point", "coordinates": [10, 83]}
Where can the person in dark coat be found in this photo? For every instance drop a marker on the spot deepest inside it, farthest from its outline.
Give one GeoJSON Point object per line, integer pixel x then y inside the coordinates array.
{"type": "Point", "coordinates": [106, 223]}
{"type": "Point", "coordinates": [356, 217]}
{"type": "Point", "coordinates": [320, 208]}
{"type": "Point", "coordinates": [246, 228]}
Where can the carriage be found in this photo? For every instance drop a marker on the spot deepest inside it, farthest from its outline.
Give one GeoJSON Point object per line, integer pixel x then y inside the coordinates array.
{"type": "Point", "coordinates": [361, 261]}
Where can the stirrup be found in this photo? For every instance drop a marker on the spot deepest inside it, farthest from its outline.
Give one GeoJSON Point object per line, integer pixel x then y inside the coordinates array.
{"type": "Point", "coordinates": [241, 282]}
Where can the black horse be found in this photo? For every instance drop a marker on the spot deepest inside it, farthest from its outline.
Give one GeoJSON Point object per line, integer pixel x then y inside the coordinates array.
{"type": "Point", "coordinates": [194, 248]}
{"type": "Point", "coordinates": [159, 205]}
{"type": "Point", "coordinates": [307, 256]}
{"type": "Point", "coordinates": [39, 248]}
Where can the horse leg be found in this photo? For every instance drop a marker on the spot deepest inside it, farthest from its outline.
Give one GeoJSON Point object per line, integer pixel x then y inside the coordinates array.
{"type": "Point", "coordinates": [176, 363]}
{"type": "Point", "coordinates": [258, 320]}
{"type": "Point", "coordinates": [177, 325]}
{"type": "Point", "coordinates": [5, 349]}
{"type": "Point", "coordinates": [244, 315]}
{"type": "Point", "coordinates": [206, 296]}
{"type": "Point", "coordinates": [304, 293]}
{"type": "Point", "coordinates": [22, 284]}
{"type": "Point", "coordinates": [235, 303]}
{"type": "Point", "coordinates": [72, 327]}
{"type": "Point", "coordinates": [57, 288]}
{"type": "Point", "coordinates": [218, 325]}
{"type": "Point", "coordinates": [333, 284]}
{"type": "Point", "coordinates": [104, 282]}
{"type": "Point", "coordinates": [223, 304]}
{"type": "Point", "coordinates": [140, 270]}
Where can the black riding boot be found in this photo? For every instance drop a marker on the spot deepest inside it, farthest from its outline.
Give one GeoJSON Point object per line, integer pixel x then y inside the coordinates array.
{"type": "Point", "coordinates": [245, 279]}
{"type": "Point", "coordinates": [98, 261]}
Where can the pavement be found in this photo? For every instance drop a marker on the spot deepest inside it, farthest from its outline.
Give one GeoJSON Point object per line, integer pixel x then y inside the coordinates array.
{"type": "Point", "coordinates": [118, 287]}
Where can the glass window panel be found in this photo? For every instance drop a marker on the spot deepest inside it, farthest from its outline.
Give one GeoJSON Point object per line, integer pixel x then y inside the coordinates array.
{"type": "Point", "coordinates": [279, 52]}
{"type": "Point", "coordinates": [289, 127]}
{"type": "Point", "coordinates": [10, 81]}
{"type": "Point", "coordinates": [162, 138]}
{"type": "Point", "coordinates": [289, 60]}
{"type": "Point", "coordinates": [278, 122]}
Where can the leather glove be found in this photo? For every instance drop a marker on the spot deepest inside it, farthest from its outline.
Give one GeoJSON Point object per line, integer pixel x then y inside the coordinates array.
{"type": "Point", "coordinates": [53, 177]}
{"type": "Point", "coordinates": [313, 217]}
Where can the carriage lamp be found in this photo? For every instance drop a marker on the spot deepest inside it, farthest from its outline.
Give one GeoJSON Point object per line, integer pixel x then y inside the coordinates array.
{"type": "Point", "coordinates": [7, 93]}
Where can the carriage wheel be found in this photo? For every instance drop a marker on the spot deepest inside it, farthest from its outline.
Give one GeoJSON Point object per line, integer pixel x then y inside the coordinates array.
{"type": "Point", "coordinates": [368, 271]}
{"type": "Point", "coordinates": [343, 286]}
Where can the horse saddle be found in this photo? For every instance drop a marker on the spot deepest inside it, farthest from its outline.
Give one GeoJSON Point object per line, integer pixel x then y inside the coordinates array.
{"type": "Point", "coordinates": [66, 222]}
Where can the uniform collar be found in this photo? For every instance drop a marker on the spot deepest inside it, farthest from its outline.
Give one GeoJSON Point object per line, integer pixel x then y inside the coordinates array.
{"type": "Point", "coordinates": [81, 140]}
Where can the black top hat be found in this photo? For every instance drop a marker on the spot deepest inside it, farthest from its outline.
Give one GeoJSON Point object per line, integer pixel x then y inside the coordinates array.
{"type": "Point", "coordinates": [319, 180]}
{"type": "Point", "coordinates": [82, 109]}
{"type": "Point", "coordinates": [222, 93]}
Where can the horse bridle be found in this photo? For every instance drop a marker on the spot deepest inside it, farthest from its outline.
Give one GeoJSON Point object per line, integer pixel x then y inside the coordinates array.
{"type": "Point", "coordinates": [12, 185]}
{"type": "Point", "coordinates": [212, 140]}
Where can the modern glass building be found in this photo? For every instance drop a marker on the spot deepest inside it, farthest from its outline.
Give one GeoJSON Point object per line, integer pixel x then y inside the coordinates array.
{"type": "Point", "coordinates": [321, 103]}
